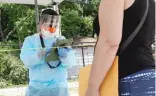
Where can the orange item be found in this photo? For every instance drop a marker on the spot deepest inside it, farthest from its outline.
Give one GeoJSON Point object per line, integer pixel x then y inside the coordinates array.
{"type": "Point", "coordinates": [109, 86]}
{"type": "Point", "coordinates": [52, 29]}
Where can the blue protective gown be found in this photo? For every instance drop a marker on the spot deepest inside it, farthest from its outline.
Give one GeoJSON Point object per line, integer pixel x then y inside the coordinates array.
{"type": "Point", "coordinates": [45, 81]}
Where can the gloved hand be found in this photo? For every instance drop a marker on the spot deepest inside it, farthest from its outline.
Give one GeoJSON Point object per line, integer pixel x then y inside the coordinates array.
{"type": "Point", "coordinates": [62, 52]}
{"type": "Point", "coordinates": [41, 54]}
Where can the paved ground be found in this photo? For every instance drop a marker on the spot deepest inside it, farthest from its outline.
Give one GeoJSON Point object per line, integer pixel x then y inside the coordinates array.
{"type": "Point", "coordinates": [20, 91]}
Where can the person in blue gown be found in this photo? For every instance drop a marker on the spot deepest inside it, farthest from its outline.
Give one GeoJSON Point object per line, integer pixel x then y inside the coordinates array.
{"type": "Point", "coordinates": [47, 78]}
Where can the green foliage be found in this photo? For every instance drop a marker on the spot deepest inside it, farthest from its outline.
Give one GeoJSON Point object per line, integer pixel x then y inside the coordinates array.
{"type": "Point", "coordinates": [75, 26]}
{"type": "Point", "coordinates": [18, 18]}
{"type": "Point", "coordinates": [70, 23]}
{"type": "Point", "coordinates": [77, 18]}
{"type": "Point", "coordinates": [12, 70]}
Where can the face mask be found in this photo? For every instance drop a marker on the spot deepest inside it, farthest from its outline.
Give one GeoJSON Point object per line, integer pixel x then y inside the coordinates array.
{"type": "Point", "coordinates": [48, 34]}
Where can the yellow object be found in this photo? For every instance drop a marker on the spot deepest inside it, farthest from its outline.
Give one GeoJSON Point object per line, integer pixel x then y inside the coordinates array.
{"type": "Point", "coordinates": [109, 86]}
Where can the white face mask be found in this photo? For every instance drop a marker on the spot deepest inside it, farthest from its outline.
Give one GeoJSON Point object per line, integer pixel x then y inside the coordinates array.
{"type": "Point", "coordinates": [47, 34]}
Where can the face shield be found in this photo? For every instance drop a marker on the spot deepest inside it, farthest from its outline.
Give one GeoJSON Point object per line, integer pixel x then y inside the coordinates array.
{"type": "Point", "coordinates": [50, 24]}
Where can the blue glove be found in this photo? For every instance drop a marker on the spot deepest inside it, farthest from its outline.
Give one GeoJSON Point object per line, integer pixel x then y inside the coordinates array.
{"type": "Point", "coordinates": [62, 52]}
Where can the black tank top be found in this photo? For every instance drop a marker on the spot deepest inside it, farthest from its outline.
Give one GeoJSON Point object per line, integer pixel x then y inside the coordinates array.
{"type": "Point", "coordinates": [138, 55]}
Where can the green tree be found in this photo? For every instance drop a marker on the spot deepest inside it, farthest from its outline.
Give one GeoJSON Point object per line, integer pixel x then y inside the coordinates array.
{"type": "Point", "coordinates": [77, 18]}
{"type": "Point", "coordinates": [12, 71]}
{"type": "Point", "coordinates": [19, 20]}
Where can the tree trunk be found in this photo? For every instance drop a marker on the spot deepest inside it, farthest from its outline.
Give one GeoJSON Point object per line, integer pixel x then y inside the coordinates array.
{"type": "Point", "coordinates": [2, 35]}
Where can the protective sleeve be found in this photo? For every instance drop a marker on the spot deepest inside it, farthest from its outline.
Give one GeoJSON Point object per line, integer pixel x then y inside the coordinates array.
{"type": "Point", "coordinates": [70, 60]}
{"type": "Point", "coordinates": [29, 56]}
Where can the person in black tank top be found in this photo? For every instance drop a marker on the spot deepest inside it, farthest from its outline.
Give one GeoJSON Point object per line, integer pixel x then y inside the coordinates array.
{"type": "Point", "coordinates": [138, 55]}
{"type": "Point", "coordinates": [136, 63]}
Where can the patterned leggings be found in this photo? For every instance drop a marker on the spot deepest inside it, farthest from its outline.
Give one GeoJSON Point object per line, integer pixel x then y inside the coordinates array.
{"type": "Point", "coordinates": [141, 83]}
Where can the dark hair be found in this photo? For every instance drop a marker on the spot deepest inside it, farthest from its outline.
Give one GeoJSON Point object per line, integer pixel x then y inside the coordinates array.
{"type": "Point", "coordinates": [96, 27]}
{"type": "Point", "coordinates": [49, 12]}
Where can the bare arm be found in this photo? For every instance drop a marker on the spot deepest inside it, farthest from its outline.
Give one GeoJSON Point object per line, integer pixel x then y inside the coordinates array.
{"type": "Point", "coordinates": [111, 22]}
